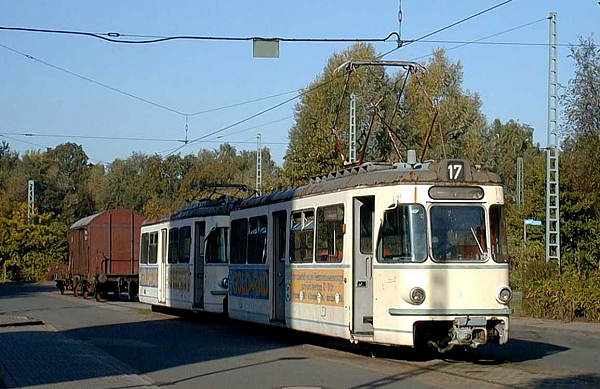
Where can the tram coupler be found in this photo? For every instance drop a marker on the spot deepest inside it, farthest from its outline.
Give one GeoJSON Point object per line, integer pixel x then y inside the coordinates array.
{"type": "Point", "coordinates": [465, 331]}
{"type": "Point", "coordinates": [468, 331]}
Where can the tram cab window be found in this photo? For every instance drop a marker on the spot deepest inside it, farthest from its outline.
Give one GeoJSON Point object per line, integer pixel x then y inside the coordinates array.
{"type": "Point", "coordinates": [153, 248]}
{"type": "Point", "coordinates": [239, 241]}
{"type": "Point", "coordinates": [185, 244]}
{"type": "Point", "coordinates": [403, 237]}
{"type": "Point", "coordinates": [330, 234]}
{"type": "Point", "coordinates": [458, 233]}
{"type": "Point", "coordinates": [173, 245]}
{"type": "Point", "coordinates": [257, 240]}
{"type": "Point", "coordinates": [302, 236]}
{"type": "Point", "coordinates": [144, 249]}
{"type": "Point", "coordinates": [217, 245]}
{"type": "Point", "coordinates": [498, 234]}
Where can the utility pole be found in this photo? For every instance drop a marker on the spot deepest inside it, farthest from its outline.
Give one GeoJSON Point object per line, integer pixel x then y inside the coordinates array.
{"type": "Point", "coordinates": [258, 164]}
{"type": "Point", "coordinates": [552, 182]}
{"type": "Point", "coordinates": [30, 199]}
{"type": "Point", "coordinates": [352, 130]}
{"type": "Point", "coordinates": [520, 198]}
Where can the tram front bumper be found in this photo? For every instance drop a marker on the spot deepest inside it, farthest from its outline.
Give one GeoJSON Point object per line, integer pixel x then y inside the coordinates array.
{"type": "Point", "coordinates": [465, 331]}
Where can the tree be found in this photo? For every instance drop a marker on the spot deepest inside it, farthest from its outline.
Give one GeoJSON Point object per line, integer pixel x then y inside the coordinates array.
{"type": "Point", "coordinates": [312, 150]}
{"type": "Point", "coordinates": [581, 99]}
{"type": "Point", "coordinates": [32, 246]}
{"type": "Point", "coordinates": [504, 143]}
{"type": "Point", "coordinates": [402, 123]}
{"type": "Point", "coordinates": [580, 178]}
{"type": "Point", "coordinates": [70, 173]}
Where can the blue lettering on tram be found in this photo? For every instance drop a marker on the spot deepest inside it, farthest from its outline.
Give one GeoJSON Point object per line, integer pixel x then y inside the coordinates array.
{"type": "Point", "coordinates": [249, 283]}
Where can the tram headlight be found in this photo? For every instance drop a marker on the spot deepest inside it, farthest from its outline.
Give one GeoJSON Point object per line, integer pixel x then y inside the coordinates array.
{"type": "Point", "coordinates": [225, 283]}
{"type": "Point", "coordinates": [417, 296]}
{"type": "Point", "coordinates": [504, 295]}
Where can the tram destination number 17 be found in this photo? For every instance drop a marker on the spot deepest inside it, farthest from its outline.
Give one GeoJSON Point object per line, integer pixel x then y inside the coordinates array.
{"type": "Point", "coordinates": [455, 171]}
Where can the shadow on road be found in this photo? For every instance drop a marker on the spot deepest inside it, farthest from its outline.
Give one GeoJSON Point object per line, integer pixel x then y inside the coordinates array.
{"type": "Point", "coordinates": [21, 289]}
{"type": "Point", "coordinates": [579, 381]}
{"type": "Point", "coordinates": [517, 350]}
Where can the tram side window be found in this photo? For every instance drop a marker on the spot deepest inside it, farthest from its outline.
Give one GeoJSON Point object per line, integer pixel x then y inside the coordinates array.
{"type": "Point", "coordinates": [185, 244]}
{"type": "Point", "coordinates": [173, 245]}
{"type": "Point", "coordinates": [217, 245]}
{"type": "Point", "coordinates": [330, 234]}
{"type": "Point", "coordinates": [498, 234]}
{"type": "Point", "coordinates": [144, 249]}
{"type": "Point", "coordinates": [153, 248]}
{"type": "Point", "coordinates": [302, 236]}
{"type": "Point", "coordinates": [257, 240]}
{"type": "Point", "coordinates": [239, 241]}
{"type": "Point", "coordinates": [403, 236]}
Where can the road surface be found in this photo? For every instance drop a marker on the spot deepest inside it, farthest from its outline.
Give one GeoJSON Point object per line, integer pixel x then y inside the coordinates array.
{"type": "Point", "coordinates": [63, 341]}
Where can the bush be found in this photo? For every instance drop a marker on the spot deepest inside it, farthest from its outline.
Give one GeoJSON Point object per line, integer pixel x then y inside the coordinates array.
{"type": "Point", "coordinates": [528, 264]}
{"type": "Point", "coordinates": [570, 295]}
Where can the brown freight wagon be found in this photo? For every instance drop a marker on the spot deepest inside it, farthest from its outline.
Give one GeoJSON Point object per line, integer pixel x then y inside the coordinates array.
{"type": "Point", "coordinates": [103, 254]}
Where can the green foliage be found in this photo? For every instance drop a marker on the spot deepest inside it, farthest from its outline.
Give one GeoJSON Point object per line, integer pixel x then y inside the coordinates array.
{"type": "Point", "coordinates": [528, 264]}
{"type": "Point", "coordinates": [30, 248]}
{"type": "Point", "coordinates": [572, 294]}
{"type": "Point", "coordinates": [581, 99]}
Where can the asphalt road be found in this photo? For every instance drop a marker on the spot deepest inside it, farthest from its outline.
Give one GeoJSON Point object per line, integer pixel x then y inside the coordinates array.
{"type": "Point", "coordinates": [126, 345]}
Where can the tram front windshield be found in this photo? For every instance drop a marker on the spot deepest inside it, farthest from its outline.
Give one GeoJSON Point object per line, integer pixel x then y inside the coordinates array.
{"type": "Point", "coordinates": [458, 233]}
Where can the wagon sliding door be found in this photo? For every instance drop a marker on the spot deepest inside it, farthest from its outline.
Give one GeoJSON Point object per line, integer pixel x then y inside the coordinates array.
{"type": "Point", "coordinates": [362, 264]}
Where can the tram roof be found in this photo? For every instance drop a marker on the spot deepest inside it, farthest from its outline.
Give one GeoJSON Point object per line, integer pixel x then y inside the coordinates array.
{"type": "Point", "coordinates": [379, 174]}
{"type": "Point", "coordinates": [365, 175]}
{"type": "Point", "coordinates": [207, 207]}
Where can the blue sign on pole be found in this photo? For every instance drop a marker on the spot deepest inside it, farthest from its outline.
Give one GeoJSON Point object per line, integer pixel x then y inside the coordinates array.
{"type": "Point", "coordinates": [533, 222]}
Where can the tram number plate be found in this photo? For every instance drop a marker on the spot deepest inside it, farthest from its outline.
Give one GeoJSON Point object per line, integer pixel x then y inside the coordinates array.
{"type": "Point", "coordinates": [456, 171]}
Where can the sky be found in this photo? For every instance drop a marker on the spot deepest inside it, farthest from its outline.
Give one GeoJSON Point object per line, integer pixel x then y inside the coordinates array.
{"type": "Point", "coordinates": [192, 76]}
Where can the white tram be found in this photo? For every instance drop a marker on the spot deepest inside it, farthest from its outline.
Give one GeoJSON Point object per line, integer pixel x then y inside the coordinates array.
{"type": "Point", "coordinates": [403, 254]}
{"type": "Point", "coordinates": [183, 258]}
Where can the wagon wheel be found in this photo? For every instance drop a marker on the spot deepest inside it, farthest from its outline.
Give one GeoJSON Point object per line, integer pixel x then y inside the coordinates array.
{"type": "Point", "coordinates": [97, 293]}
{"type": "Point", "coordinates": [132, 291]}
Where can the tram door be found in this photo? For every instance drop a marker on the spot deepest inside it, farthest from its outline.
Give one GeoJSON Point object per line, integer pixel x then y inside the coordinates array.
{"type": "Point", "coordinates": [163, 266]}
{"type": "Point", "coordinates": [199, 233]}
{"type": "Point", "coordinates": [279, 231]}
{"type": "Point", "coordinates": [362, 265]}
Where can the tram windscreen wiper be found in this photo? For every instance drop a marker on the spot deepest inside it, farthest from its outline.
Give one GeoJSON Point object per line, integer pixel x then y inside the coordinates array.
{"type": "Point", "coordinates": [477, 241]}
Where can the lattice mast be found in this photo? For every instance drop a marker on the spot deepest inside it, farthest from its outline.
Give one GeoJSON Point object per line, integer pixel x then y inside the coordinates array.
{"type": "Point", "coordinates": [352, 130]}
{"type": "Point", "coordinates": [519, 197]}
{"type": "Point", "coordinates": [258, 164]}
{"type": "Point", "coordinates": [30, 199]}
{"type": "Point", "coordinates": [552, 181]}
